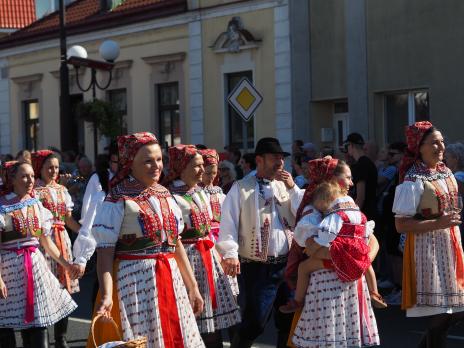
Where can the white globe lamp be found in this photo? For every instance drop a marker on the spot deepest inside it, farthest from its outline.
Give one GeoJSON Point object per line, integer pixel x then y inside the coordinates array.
{"type": "Point", "coordinates": [109, 50]}
{"type": "Point", "coordinates": [77, 51]}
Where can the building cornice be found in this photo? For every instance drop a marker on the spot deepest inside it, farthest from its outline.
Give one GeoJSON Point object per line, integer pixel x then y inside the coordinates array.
{"type": "Point", "coordinates": [27, 79]}
{"type": "Point", "coordinates": [165, 58]}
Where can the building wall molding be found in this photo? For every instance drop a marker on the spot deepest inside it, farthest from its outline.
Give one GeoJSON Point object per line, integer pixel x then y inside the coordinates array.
{"type": "Point", "coordinates": [27, 79]}
{"type": "Point", "coordinates": [283, 77]}
{"type": "Point", "coordinates": [195, 62]}
{"type": "Point", "coordinates": [5, 122]}
{"type": "Point", "coordinates": [235, 39]}
{"type": "Point", "coordinates": [165, 58]}
{"type": "Point", "coordinates": [357, 66]}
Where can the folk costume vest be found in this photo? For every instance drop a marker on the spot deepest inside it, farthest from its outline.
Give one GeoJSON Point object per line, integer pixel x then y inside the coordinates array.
{"type": "Point", "coordinates": [195, 210]}
{"type": "Point", "coordinates": [141, 227]}
{"type": "Point", "coordinates": [18, 226]}
{"type": "Point", "coordinates": [256, 217]}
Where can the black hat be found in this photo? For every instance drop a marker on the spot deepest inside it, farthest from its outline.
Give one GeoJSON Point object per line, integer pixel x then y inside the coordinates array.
{"type": "Point", "coordinates": [354, 138]}
{"type": "Point", "coordinates": [269, 145]}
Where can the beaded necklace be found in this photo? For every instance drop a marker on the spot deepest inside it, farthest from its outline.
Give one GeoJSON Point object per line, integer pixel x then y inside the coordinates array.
{"type": "Point", "coordinates": [58, 209]}
{"type": "Point", "coordinates": [28, 225]}
{"type": "Point", "coordinates": [151, 223]}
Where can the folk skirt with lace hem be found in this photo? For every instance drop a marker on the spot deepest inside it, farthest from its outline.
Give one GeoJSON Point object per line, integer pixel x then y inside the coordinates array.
{"type": "Point", "coordinates": [139, 302]}
{"type": "Point", "coordinates": [51, 302]}
{"type": "Point", "coordinates": [221, 311]}
{"type": "Point", "coordinates": [336, 314]}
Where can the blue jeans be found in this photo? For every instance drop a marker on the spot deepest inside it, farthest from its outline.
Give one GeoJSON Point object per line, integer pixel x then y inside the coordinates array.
{"type": "Point", "coordinates": [262, 290]}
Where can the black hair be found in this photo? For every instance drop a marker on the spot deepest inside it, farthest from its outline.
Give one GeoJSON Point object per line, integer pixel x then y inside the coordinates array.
{"type": "Point", "coordinates": [250, 159]}
{"type": "Point", "coordinates": [298, 158]}
{"type": "Point", "coordinates": [113, 149]}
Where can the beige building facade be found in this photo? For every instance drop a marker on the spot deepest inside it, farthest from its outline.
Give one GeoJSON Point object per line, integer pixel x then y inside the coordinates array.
{"type": "Point", "coordinates": [172, 77]}
{"type": "Point", "coordinates": [376, 66]}
{"type": "Point", "coordinates": [324, 68]}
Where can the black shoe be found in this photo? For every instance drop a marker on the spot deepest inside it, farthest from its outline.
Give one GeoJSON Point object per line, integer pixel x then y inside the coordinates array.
{"type": "Point", "coordinates": [61, 343]}
{"type": "Point", "coordinates": [61, 328]}
{"type": "Point", "coordinates": [7, 338]}
{"type": "Point", "coordinates": [38, 337]}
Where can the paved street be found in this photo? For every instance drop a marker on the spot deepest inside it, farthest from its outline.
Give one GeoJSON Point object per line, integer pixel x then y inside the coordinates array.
{"type": "Point", "coordinates": [396, 331]}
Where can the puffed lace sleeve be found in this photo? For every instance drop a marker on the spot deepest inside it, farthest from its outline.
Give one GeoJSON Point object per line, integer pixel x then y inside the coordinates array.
{"type": "Point", "coordinates": [84, 245]}
{"type": "Point", "coordinates": [407, 198]}
{"type": "Point", "coordinates": [308, 225]}
{"type": "Point", "coordinates": [370, 226]}
{"type": "Point", "coordinates": [227, 243]}
{"type": "Point", "coordinates": [46, 219]}
{"type": "Point", "coordinates": [68, 200]}
{"type": "Point", "coordinates": [296, 196]}
{"type": "Point", "coordinates": [328, 230]}
{"type": "Point", "coordinates": [107, 224]}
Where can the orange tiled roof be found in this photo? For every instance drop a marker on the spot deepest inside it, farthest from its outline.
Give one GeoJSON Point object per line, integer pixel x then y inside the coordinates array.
{"type": "Point", "coordinates": [85, 16]}
{"type": "Point", "coordinates": [15, 14]}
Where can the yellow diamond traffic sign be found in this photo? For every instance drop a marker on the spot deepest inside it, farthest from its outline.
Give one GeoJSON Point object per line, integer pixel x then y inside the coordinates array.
{"type": "Point", "coordinates": [245, 99]}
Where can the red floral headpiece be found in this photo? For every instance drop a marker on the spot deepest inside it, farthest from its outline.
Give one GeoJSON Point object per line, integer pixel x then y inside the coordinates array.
{"type": "Point", "coordinates": [179, 157]}
{"type": "Point", "coordinates": [128, 146]}
{"type": "Point", "coordinates": [414, 135]}
{"type": "Point", "coordinates": [320, 170]}
{"type": "Point", "coordinates": [38, 159]}
{"type": "Point", "coordinates": [210, 156]}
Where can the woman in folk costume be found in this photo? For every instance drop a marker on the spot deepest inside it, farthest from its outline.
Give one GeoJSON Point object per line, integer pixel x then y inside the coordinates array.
{"type": "Point", "coordinates": [212, 192]}
{"type": "Point", "coordinates": [426, 210]}
{"type": "Point", "coordinates": [221, 310]}
{"type": "Point", "coordinates": [335, 313]}
{"type": "Point", "coordinates": [142, 266]}
{"type": "Point", "coordinates": [216, 198]}
{"type": "Point", "coordinates": [31, 297]}
{"type": "Point", "coordinates": [307, 217]}
{"type": "Point", "coordinates": [56, 199]}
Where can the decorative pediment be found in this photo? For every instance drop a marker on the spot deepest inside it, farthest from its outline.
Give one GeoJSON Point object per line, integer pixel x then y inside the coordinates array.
{"type": "Point", "coordinates": [235, 39]}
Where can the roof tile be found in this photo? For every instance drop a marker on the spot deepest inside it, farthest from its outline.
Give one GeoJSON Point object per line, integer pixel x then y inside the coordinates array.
{"type": "Point", "coordinates": [15, 14]}
{"type": "Point", "coordinates": [85, 15]}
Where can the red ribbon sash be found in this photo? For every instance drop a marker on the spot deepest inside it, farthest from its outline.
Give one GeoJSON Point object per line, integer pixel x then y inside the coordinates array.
{"type": "Point", "coordinates": [167, 306]}
{"type": "Point", "coordinates": [459, 259]}
{"type": "Point", "coordinates": [63, 275]}
{"type": "Point", "coordinates": [26, 252]}
{"type": "Point", "coordinates": [204, 247]}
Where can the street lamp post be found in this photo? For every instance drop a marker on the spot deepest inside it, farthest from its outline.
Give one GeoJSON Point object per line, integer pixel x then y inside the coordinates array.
{"type": "Point", "coordinates": [109, 50]}
{"type": "Point", "coordinates": [64, 83]}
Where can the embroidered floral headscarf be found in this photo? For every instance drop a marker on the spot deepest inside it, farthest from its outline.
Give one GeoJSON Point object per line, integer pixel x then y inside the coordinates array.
{"type": "Point", "coordinates": [128, 146]}
{"type": "Point", "coordinates": [210, 157]}
{"type": "Point", "coordinates": [179, 157]}
{"type": "Point", "coordinates": [7, 168]}
{"type": "Point", "coordinates": [414, 136]}
{"type": "Point", "coordinates": [38, 160]}
{"type": "Point", "coordinates": [320, 170]}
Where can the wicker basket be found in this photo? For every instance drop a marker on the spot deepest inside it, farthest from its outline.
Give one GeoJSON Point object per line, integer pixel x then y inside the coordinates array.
{"type": "Point", "coordinates": [140, 342]}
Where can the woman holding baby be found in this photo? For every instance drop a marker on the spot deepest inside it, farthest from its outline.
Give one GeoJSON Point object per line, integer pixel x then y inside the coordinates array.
{"type": "Point", "coordinates": [336, 308]}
